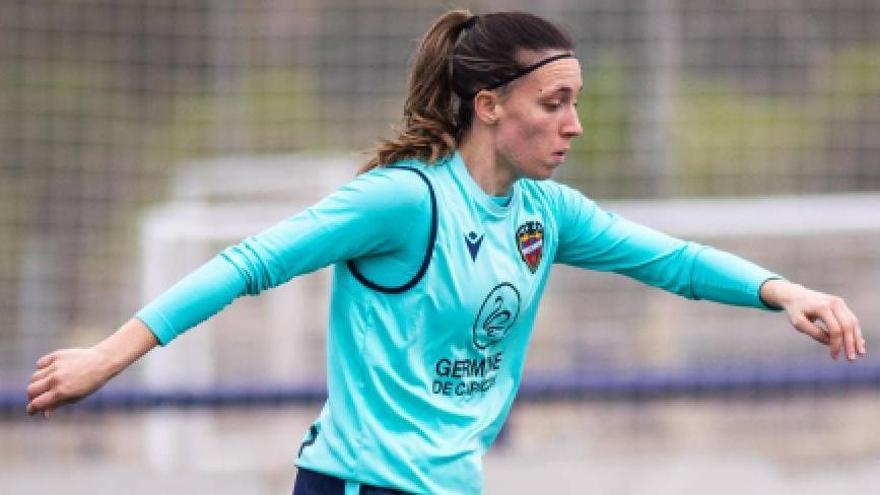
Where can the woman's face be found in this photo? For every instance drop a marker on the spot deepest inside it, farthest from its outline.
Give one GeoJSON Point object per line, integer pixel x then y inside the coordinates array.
{"type": "Point", "coordinates": [537, 119]}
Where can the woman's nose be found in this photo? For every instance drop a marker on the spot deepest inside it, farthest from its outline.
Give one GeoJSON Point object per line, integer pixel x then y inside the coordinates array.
{"type": "Point", "coordinates": [572, 128]}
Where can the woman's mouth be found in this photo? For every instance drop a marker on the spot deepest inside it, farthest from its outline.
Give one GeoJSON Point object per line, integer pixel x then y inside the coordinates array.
{"type": "Point", "coordinates": [559, 156]}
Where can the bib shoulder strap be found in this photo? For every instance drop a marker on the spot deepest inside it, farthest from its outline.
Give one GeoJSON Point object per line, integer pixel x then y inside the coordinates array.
{"type": "Point", "coordinates": [432, 237]}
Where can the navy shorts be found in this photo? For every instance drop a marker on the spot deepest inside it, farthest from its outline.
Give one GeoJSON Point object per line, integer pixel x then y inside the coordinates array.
{"type": "Point", "coordinates": [312, 483]}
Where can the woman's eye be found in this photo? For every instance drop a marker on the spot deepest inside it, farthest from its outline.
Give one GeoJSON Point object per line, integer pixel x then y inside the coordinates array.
{"type": "Point", "coordinates": [552, 105]}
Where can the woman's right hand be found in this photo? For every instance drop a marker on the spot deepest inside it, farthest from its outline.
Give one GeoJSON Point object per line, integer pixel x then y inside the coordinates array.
{"type": "Point", "coordinates": [65, 376]}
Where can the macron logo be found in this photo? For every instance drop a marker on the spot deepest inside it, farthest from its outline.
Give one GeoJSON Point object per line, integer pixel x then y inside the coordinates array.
{"type": "Point", "coordinates": [473, 244]}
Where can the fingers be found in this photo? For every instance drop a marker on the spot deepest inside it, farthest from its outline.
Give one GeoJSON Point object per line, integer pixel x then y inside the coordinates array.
{"type": "Point", "coordinates": [41, 383]}
{"type": "Point", "coordinates": [850, 325]}
{"type": "Point", "coordinates": [47, 399]}
{"type": "Point", "coordinates": [807, 327]}
{"type": "Point", "coordinates": [843, 329]}
{"type": "Point", "coordinates": [38, 390]}
{"type": "Point", "coordinates": [39, 387]}
{"type": "Point", "coordinates": [43, 391]}
{"type": "Point", "coordinates": [41, 394]}
{"type": "Point", "coordinates": [860, 341]}
{"type": "Point", "coordinates": [46, 360]}
{"type": "Point", "coordinates": [42, 373]}
{"type": "Point", "coordinates": [63, 377]}
{"type": "Point", "coordinates": [847, 340]}
{"type": "Point", "coordinates": [835, 332]}
{"type": "Point", "coordinates": [45, 403]}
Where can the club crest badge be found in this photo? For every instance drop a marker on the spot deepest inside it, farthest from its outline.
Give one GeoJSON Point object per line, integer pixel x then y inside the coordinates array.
{"type": "Point", "coordinates": [530, 242]}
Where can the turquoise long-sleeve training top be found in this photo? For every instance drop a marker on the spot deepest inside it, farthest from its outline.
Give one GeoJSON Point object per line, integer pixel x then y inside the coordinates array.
{"type": "Point", "coordinates": [434, 294]}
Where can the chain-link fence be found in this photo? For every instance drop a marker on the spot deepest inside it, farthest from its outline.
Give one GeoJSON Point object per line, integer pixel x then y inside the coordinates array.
{"type": "Point", "coordinates": [103, 105]}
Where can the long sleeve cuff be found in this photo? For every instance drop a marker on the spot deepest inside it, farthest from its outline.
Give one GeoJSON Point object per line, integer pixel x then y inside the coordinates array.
{"type": "Point", "coordinates": [726, 278]}
{"type": "Point", "coordinates": [192, 300]}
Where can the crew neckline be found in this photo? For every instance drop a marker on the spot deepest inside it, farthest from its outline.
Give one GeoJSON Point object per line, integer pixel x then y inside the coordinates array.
{"type": "Point", "coordinates": [497, 205]}
{"type": "Point", "coordinates": [502, 200]}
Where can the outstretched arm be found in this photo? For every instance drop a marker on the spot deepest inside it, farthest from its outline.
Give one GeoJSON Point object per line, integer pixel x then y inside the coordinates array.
{"type": "Point", "coordinates": [345, 225]}
{"type": "Point", "coordinates": [67, 375]}
{"type": "Point", "coordinates": [595, 239]}
{"type": "Point", "coordinates": [807, 309]}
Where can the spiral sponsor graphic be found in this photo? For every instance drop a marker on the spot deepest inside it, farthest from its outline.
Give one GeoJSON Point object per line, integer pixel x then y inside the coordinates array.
{"type": "Point", "coordinates": [530, 242]}
{"type": "Point", "coordinates": [497, 315]}
{"type": "Point", "coordinates": [471, 377]}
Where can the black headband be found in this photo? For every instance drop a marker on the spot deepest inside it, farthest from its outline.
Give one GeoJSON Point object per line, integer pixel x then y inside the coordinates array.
{"type": "Point", "coordinates": [525, 70]}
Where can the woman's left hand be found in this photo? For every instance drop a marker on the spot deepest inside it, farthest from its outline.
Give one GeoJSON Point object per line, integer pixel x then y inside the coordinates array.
{"type": "Point", "coordinates": [808, 309]}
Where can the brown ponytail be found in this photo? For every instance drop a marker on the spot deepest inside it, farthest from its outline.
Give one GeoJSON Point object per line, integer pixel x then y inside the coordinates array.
{"type": "Point", "coordinates": [428, 116]}
{"type": "Point", "coordinates": [459, 55]}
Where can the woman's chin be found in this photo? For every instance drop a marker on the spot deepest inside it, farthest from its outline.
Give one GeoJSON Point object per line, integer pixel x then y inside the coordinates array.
{"type": "Point", "coordinates": [545, 172]}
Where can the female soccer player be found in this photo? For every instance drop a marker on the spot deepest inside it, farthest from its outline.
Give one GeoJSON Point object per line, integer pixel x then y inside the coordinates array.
{"type": "Point", "coordinates": [441, 250]}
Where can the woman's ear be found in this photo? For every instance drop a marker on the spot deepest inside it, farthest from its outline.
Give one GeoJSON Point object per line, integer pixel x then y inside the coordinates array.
{"type": "Point", "coordinates": [486, 107]}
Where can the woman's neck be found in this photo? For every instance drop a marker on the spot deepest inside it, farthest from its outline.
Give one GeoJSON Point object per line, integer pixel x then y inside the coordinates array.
{"type": "Point", "coordinates": [485, 167]}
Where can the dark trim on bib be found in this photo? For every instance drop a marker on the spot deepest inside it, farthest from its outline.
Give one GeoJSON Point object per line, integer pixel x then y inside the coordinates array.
{"type": "Point", "coordinates": [429, 251]}
{"type": "Point", "coordinates": [308, 442]}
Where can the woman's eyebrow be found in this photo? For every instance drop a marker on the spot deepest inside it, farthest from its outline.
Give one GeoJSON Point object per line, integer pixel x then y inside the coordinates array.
{"type": "Point", "coordinates": [563, 88]}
